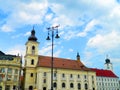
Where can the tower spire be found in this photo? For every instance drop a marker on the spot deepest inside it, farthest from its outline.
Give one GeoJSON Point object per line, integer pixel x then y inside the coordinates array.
{"type": "Point", "coordinates": [78, 56]}
{"type": "Point", "coordinates": [32, 36]}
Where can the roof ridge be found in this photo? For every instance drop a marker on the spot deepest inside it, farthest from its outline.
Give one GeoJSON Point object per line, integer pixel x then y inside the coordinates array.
{"type": "Point", "coordinates": [104, 72]}
{"type": "Point", "coordinates": [45, 61]}
{"type": "Point", "coordinates": [58, 58]}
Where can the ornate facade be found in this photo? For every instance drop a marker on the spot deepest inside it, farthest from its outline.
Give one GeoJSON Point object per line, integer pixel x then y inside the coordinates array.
{"type": "Point", "coordinates": [10, 69]}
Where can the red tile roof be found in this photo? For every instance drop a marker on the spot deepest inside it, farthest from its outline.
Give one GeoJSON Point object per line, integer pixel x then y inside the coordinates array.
{"type": "Point", "coordinates": [104, 73]}
{"type": "Point", "coordinates": [45, 61]}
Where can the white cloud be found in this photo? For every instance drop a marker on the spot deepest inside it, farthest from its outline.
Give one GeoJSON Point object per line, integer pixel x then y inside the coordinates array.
{"type": "Point", "coordinates": [57, 53]}
{"type": "Point", "coordinates": [106, 42]}
{"type": "Point", "coordinates": [81, 34]}
{"type": "Point", "coordinates": [24, 13]}
{"type": "Point", "coordinates": [71, 50]}
{"type": "Point", "coordinates": [115, 61]}
{"type": "Point", "coordinates": [105, 3]}
{"type": "Point", "coordinates": [89, 27]}
{"type": "Point", "coordinates": [6, 28]}
{"type": "Point", "coordinates": [47, 50]}
{"type": "Point", "coordinates": [27, 33]}
{"type": "Point", "coordinates": [49, 17]}
{"type": "Point", "coordinates": [115, 12]}
{"type": "Point", "coordinates": [88, 55]}
{"type": "Point", "coordinates": [17, 49]}
{"type": "Point", "coordinates": [70, 34]}
{"type": "Point", "coordinates": [17, 36]}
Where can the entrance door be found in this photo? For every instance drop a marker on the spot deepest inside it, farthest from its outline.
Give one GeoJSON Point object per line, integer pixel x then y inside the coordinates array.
{"type": "Point", "coordinates": [44, 88]}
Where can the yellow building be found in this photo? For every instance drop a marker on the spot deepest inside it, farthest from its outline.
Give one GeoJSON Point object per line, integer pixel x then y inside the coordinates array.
{"type": "Point", "coordinates": [67, 74]}
{"type": "Point", "coordinates": [10, 68]}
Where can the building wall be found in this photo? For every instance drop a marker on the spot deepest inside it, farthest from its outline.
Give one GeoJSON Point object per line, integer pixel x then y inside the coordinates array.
{"type": "Point", "coordinates": [40, 77]}
{"type": "Point", "coordinates": [10, 73]}
{"type": "Point", "coordinates": [30, 78]}
{"type": "Point", "coordinates": [31, 60]}
{"type": "Point", "coordinates": [44, 79]}
{"type": "Point", "coordinates": [107, 83]}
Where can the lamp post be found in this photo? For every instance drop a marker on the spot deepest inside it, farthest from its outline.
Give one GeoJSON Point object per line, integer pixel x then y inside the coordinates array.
{"type": "Point", "coordinates": [52, 29]}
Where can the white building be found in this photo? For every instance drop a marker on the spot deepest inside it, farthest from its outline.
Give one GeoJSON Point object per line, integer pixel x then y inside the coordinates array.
{"type": "Point", "coordinates": [105, 78]}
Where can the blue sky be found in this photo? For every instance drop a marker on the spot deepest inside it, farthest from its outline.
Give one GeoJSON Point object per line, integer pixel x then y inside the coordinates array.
{"type": "Point", "coordinates": [90, 27]}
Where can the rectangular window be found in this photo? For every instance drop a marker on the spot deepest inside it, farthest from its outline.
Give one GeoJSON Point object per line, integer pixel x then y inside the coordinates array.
{"type": "Point", "coordinates": [32, 62]}
{"type": "Point", "coordinates": [1, 77]}
{"type": "Point", "coordinates": [9, 70]}
{"type": "Point", "coordinates": [15, 78]}
{"type": "Point", "coordinates": [63, 75]}
{"type": "Point", "coordinates": [78, 76]}
{"type": "Point", "coordinates": [85, 77]}
{"type": "Point", "coordinates": [9, 77]}
{"type": "Point", "coordinates": [55, 75]}
{"type": "Point", "coordinates": [71, 76]}
{"type": "Point", "coordinates": [45, 74]}
{"type": "Point", "coordinates": [16, 71]}
{"type": "Point", "coordinates": [2, 70]}
{"type": "Point", "coordinates": [44, 81]}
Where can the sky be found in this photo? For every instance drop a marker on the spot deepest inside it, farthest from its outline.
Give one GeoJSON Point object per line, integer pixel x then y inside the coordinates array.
{"type": "Point", "coordinates": [90, 27]}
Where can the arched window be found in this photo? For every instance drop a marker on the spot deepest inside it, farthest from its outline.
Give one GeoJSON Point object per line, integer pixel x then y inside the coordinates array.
{"type": "Point", "coordinates": [54, 84]}
{"type": "Point", "coordinates": [33, 49]}
{"type": "Point", "coordinates": [44, 81]}
{"type": "Point", "coordinates": [63, 85]}
{"type": "Point", "coordinates": [32, 62]}
{"type": "Point", "coordinates": [30, 87]}
{"type": "Point", "coordinates": [71, 85]}
{"type": "Point", "coordinates": [31, 75]}
{"type": "Point", "coordinates": [79, 86]}
{"type": "Point", "coordinates": [44, 88]}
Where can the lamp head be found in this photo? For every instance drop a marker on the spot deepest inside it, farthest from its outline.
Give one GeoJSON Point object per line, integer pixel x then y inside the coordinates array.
{"type": "Point", "coordinates": [48, 38]}
{"type": "Point", "coordinates": [57, 36]}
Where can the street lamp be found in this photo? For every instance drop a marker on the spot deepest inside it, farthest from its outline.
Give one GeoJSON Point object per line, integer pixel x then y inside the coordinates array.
{"type": "Point", "coordinates": [52, 29]}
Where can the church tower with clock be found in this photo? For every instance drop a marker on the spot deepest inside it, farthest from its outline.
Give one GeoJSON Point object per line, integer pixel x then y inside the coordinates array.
{"type": "Point", "coordinates": [108, 65]}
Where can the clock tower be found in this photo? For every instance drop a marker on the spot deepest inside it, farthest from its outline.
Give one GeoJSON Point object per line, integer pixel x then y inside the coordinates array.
{"type": "Point", "coordinates": [108, 65]}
